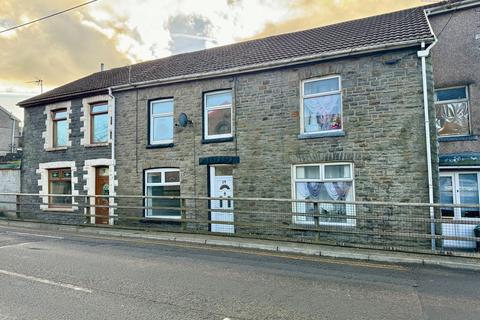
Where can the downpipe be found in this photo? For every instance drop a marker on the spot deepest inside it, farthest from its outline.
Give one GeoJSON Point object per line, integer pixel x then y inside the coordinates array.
{"type": "Point", "coordinates": [423, 54]}
{"type": "Point", "coordinates": [114, 164]}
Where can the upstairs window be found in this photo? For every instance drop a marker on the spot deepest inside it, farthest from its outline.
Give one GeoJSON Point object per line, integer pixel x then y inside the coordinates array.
{"type": "Point", "coordinates": [161, 122]}
{"type": "Point", "coordinates": [60, 183]}
{"type": "Point", "coordinates": [321, 109]}
{"type": "Point", "coordinates": [60, 128]}
{"type": "Point", "coordinates": [99, 123]}
{"type": "Point", "coordinates": [162, 182]}
{"type": "Point", "coordinates": [452, 112]}
{"type": "Point", "coordinates": [218, 115]}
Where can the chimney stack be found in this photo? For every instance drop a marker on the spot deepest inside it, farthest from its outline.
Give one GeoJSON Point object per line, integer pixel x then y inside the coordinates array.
{"type": "Point", "coordinates": [102, 66]}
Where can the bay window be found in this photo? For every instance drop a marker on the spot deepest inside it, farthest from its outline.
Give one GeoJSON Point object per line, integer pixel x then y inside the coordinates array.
{"type": "Point", "coordinates": [328, 182]}
{"type": "Point", "coordinates": [218, 114]}
{"type": "Point", "coordinates": [321, 109]}
{"type": "Point", "coordinates": [162, 182]}
{"type": "Point", "coordinates": [452, 111]}
{"type": "Point", "coordinates": [161, 122]}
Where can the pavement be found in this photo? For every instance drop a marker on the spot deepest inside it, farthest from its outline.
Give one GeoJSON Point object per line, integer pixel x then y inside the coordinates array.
{"type": "Point", "coordinates": [55, 274]}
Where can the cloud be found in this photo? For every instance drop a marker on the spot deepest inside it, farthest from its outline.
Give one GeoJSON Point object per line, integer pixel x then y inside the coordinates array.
{"type": "Point", "coordinates": [72, 45]}
{"type": "Point", "coordinates": [56, 50]}
{"type": "Point", "coordinates": [306, 14]}
{"type": "Point", "coordinates": [188, 33]}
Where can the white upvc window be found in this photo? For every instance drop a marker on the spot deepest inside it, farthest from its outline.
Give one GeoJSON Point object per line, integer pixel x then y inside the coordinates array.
{"type": "Point", "coordinates": [321, 105]}
{"type": "Point", "coordinates": [218, 114]}
{"type": "Point", "coordinates": [163, 182]}
{"type": "Point", "coordinates": [327, 183]}
{"type": "Point", "coordinates": [161, 122]}
{"type": "Point", "coordinates": [452, 111]}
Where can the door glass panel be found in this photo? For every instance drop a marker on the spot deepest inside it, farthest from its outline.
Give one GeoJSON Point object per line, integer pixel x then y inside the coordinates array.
{"type": "Point", "coordinates": [223, 171]}
{"type": "Point", "coordinates": [446, 196]}
{"type": "Point", "coordinates": [468, 191]}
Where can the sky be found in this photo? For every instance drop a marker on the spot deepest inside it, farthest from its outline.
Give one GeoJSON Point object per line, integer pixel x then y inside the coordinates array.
{"type": "Point", "coordinates": [117, 33]}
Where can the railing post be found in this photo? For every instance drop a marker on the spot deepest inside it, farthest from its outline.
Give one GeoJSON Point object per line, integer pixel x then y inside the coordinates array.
{"type": "Point", "coordinates": [432, 228]}
{"type": "Point", "coordinates": [316, 219]}
{"type": "Point", "coordinates": [183, 214]}
{"type": "Point", "coordinates": [17, 205]}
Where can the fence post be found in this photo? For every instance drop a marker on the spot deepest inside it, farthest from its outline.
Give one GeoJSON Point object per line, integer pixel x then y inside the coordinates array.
{"type": "Point", "coordinates": [432, 228]}
{"type": "Point", "coordinates": [17, 205]}
{"type": "Point", "coordinates": [183, 214]}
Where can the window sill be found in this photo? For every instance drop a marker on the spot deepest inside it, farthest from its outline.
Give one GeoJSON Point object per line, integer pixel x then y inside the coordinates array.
{"type": "Point", "coordinates": [217, 140]}
{"type": "Point", "coordinates": [321, 135]}
{"type": "Point", "coordinates": [56, 149]}
{"type": "Point", "coordinates": [159, 146]}
{"type": "Point", "coordinates": [459, 138]}
{"type": "Point", "coordinates": [95, 145]}
{"type": "Point", "coordinates": [160, 220]}
{"type": "Point", "coordinates": [66, 209]}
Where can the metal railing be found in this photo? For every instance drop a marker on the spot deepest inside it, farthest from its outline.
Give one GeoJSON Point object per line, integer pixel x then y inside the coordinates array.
{"type": "Point", "coordinates": [377, 225]}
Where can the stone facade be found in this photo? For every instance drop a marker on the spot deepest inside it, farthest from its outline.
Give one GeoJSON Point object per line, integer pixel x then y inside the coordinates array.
{"type": "Point", "coordinates": [383, 124]}
{"type": "Point", "coordinates": [383, 137]}
{"type": "Point", "coordinates": [39, 157]}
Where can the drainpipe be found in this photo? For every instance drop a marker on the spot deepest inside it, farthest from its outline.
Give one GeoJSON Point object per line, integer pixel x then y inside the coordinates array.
{"type": "Point", "coordinates": [114, 165]}
{"type": "Point", "coordinates": [423, 54]}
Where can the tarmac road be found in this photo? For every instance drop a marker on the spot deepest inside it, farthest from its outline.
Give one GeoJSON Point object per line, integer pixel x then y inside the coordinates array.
{"type": "Point", "coordinates": [51, 275]}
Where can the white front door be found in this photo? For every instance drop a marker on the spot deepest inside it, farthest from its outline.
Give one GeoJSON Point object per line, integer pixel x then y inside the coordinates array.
{"type": "Point", "coordinates": [221, 186]}
{"type": "Point", "coordinates": [459, 188]}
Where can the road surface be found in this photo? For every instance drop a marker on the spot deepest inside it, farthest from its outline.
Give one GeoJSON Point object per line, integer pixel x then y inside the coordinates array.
{"type": "Point", "coordinates": [48, 275]}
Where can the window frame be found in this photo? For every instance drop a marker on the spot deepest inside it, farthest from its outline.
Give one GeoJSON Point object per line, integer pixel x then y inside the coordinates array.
{"type": "Point", "coordinates": [91, 122]}
{"type": "Point", "coordinates": [148, 212]}
{"type": "Point", "coordinates": [303, 97]}
{"type": "Point", "coordinates": [50, 204]}
{"type": "Point", "coordinates": [466, 99]}
{"type": "Point", "coordinates": [350, 208]}
{"type": "Point", "coordinates": [54, 126]}
{"type": "Point", "coordinates": [152, 116]}
{"type": "Point", "coordinates": [206, 136]}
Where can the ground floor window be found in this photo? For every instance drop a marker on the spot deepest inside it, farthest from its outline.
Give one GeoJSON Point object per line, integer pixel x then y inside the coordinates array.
{"type": "Point", "coordinates": [460, 188]}
{"type": "Point", "coordinates": [59, 182]}
{"type": "Point", "coordinates": [162, 182]}
{"type": "Point", "coordinates": [327, 183]}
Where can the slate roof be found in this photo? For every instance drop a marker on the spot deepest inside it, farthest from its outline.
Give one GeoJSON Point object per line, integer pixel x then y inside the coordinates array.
{"type": "Point", "coordinates": [408, 25]}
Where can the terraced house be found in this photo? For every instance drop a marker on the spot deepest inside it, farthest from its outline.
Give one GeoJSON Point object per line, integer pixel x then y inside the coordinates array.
{"type": "Point", "coordinates": [334, 113]}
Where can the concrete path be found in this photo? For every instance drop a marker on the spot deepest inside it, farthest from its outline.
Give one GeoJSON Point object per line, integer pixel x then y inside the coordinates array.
{"type": "Point", "coordinates": [68, 275]}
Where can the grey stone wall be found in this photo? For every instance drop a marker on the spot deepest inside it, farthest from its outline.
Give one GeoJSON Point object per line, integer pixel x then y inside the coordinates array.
{"type": "Point", "coordinates": [34, 154]}
{"type": "Point", "coordinates": [382, 116]}
{"type": "Point", "coordinates": [456, 63]}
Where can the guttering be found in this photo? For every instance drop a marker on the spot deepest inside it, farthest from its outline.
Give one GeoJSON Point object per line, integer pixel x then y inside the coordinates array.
{"type": "Point", "coordinates": [452, 6]}
{"type": "Point", "coordinates": [423, 54]}
{"type": "Point", "coordinates": [273, 64]}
